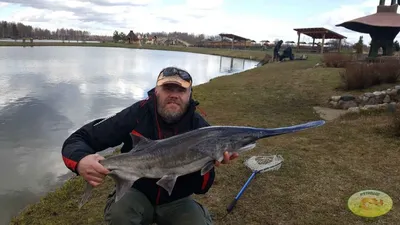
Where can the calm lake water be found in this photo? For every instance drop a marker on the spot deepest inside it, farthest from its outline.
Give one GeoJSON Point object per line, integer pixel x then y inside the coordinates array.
{"type": "Point", "coordinates": [48, 92]}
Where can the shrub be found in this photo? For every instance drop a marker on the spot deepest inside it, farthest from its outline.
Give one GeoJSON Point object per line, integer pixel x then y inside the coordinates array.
{"type": "Point", "coordinates": [337, 60]}
{"type": "Point", "coordinates": [361, 75]}
{"type": "Point", "coordinates": [388, 72]}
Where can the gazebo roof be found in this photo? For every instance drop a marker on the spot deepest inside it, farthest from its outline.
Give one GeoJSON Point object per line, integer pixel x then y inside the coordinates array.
{"type": "Point", "coordinates": [233, 36]}
{"type": "Point", "coordinates": [366, 24]}
{"type": "Point", "coordinates": [318, 32]}
{"type": "Point", "coordinates": [385, 17]}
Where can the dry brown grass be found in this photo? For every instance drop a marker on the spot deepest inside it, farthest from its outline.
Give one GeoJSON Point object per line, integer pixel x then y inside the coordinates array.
{"type": "Point", "coordinates": [323, 167]}
{"type": "Point", "coordinates": [361, 75]}
{"type": "Point", "coordinates": [395, 123]}
{"type": "Point", "coordinates": [393, 126]}
{"type": "Point", "coordinates": [336, 60]}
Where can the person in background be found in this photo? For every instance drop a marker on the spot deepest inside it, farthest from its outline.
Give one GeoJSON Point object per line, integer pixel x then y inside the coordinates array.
{"type": "Point", "coordinates": [276, 50]}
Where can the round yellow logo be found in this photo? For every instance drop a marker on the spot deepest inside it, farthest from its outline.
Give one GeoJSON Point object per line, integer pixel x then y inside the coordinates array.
{"type": "Point", "coordinates": [370, 203]}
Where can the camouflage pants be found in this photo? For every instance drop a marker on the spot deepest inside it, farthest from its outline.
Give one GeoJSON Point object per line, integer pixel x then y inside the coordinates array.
{"type": "Point", "coordinates": [134, 208]}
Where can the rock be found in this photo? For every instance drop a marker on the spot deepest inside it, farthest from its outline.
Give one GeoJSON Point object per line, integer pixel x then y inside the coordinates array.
{"type": "Point", "coordinates": [386, 99]}
{"type": "Point", "coordinates": [364, 99]}
{"type": "Point", "coordinates": [369, 107]}
{"type": "Point", "coordinates": [334, 104]}
{"type": "Point", "coordinates": [372, 101]}
{"type": "Point", "coordinates": [346, 104]}
{"type": "Point", "coordinates": [376, 93]}
{"type": "Point", "coordinates": [368, 100]}
{"type": "Point", "coordinates": [380, 98]}
{"type": "Point", "coordinates": [329, 114]}
{"type": "Point", "coordinates": [354, 109]}
{"type": "Point", "coordinates": [347, 98]}
{"type": "Point", "coordinates": [395, 95]}
{"type": "Point", "coordinates": [369, 94]}
{"type": "Point", "coordinates": [383, 106]}
{"type": "Point", "coordinates": [392, 92]}
{"type": "Point", "coordinates": [391, 107]}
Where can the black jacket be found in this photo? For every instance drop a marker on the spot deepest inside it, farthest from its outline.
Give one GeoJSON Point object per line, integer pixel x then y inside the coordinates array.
{"type": "Point", "coordinates": [139, 119]}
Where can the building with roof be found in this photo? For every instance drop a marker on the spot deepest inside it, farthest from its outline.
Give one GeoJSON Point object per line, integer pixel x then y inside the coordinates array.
{"type": "Point", "coordinates": [231, 41]}
{"type": "Point", "coordinates": [383, 27]}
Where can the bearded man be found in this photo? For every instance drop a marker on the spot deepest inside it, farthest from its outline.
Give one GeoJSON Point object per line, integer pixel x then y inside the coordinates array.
{"type": "Point", "coordinates": [169, 110]}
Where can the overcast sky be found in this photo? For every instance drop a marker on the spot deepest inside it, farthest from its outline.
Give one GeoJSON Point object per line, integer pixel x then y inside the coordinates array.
{"type": "Point", "coordinates": [254, 19]}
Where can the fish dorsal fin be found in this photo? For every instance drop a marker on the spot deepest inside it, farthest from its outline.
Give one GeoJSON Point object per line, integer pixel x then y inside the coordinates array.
{"type": "Point", "coordinates": [139, 141]}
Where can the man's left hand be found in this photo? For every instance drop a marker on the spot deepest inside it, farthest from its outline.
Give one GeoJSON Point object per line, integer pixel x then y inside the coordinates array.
{"type": "Point", "coordinates": [227, 158]}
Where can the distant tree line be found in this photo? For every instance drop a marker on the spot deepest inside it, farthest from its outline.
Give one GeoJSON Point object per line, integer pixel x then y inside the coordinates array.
{"type": "Point", "coordinates": [19, 30]}
{"type": "Point", "coordinates": [188, 37]}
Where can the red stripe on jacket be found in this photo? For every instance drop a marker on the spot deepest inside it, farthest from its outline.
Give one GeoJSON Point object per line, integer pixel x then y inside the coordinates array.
{"type": "Point", "coordinates": [134, 132]}
{"type": "Point", "coordinates": [70, 163]}
{"type": "Point", "coordinates": [206, 177]}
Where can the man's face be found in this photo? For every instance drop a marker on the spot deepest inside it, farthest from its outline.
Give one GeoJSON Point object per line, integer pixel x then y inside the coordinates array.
{"type": "Point", "coordinates": [172, 101]}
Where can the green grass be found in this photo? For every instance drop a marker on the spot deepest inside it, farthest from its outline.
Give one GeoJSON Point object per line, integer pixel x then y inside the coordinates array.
{"type": "Point", "coordinates": [323, 167]}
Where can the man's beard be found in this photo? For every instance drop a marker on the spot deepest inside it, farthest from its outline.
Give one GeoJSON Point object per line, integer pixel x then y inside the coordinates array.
{"type": "Point", "coordinates": [170, 116]}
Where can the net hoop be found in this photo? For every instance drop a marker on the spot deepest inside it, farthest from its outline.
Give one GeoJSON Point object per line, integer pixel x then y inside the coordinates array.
{"type": "Point", "coordinates": [264, 163]}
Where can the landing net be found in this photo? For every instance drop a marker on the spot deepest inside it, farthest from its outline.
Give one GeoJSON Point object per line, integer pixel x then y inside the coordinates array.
{"type": "Point", "coordinates": [264, 163]}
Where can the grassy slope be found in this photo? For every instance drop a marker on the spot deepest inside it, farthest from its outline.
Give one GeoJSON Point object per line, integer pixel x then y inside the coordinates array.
{"type": "Point", "coordinates": [323, 167]}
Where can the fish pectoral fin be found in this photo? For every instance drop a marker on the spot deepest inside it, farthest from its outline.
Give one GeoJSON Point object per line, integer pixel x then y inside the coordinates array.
{"type": "Point", "coordinates": [168, 182]}
{"type": "Point", "coordinates": [122, 185]}
{"type": "Point", "coordinates": [207, 167]}
{"type": "Point", "coordinates": [86, 195]}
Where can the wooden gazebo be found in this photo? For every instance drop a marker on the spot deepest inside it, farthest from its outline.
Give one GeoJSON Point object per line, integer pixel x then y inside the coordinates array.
{"type": "Point", "coordinates": [319, 33]}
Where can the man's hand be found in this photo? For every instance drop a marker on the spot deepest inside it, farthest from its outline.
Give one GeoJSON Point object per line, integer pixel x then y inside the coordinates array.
{"type": "Point", "coordinates": [227, 158]}
{"type": "Point", "coordinates": [91, 170]}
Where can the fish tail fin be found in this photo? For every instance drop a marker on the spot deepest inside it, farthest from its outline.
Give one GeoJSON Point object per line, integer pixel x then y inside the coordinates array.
{"type": "Point", "coordinates": [86, 195]}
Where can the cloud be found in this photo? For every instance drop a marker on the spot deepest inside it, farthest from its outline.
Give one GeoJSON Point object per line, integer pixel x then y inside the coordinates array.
{"type": "Point", "coordinates": [73, 13]}
{"type": "Point", "coordinates": [348, 12]}
{"type": "Point", "coordinates": [60, 4]}
{"type": "Point", "coordinates": [119, 2]}
{"type": "Point", "coordinates": [204, 4]}
{"type": "Point", "coordinates": [138, 15]}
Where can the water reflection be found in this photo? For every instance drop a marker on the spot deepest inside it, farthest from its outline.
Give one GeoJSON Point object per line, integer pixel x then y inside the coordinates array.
{"type": "Point", "coordinates": [229, 65]}
{"type": "Point", "coordinates": [48, 92]}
